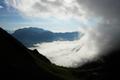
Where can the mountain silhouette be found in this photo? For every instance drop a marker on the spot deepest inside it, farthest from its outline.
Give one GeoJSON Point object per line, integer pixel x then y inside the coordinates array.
{"type": "Point", "coordinates": [30, 36]}
{"type": "Point", "coordinates": [19, 63]}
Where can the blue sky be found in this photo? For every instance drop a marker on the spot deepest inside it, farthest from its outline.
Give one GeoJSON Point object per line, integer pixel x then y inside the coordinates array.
{"type": "Point", "coordinates": [12, 18]}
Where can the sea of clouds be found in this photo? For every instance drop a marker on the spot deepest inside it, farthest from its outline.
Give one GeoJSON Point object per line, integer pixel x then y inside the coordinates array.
{"type": "Point", "coordinates": [95, 42]}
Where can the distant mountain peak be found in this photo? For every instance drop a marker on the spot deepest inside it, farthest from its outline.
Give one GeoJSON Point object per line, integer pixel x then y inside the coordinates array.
{"type": "Point", "coordinates": [32, 35]}
{"type": "Point", "coordinates": [34, 29]}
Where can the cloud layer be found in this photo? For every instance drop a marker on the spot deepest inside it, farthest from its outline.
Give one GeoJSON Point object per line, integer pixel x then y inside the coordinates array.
{"type": "Point", "coordinates": [68, 53]}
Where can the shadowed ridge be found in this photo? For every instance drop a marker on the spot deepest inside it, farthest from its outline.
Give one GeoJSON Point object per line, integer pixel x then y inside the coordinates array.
{"type": "Point", "coordinates": [41, 57]}
{"type": "Point", "coordinates": [17, 62]}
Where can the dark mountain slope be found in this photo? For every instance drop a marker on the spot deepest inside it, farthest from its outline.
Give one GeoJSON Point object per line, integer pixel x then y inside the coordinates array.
{"type": "Point", "coordinates": [17, 62]}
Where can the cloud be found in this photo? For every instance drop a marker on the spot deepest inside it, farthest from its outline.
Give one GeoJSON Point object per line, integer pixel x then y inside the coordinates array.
{"type": "Point", "coordinates": [65, 9]}
{"type": "Point", "coordinates": [108, 9]}
{"type": "Point", "coordinates": [43, 8]}
{"type": "Point", "coordinates": [1, 7]}
{"type": "Point", "coordinates": [68, 53]}
{"type": "Point", "coordinates": [109, 27]}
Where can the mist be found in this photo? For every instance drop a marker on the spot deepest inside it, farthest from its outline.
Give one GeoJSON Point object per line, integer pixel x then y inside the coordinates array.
{"type": "Point", "coordinates": [96, 42]}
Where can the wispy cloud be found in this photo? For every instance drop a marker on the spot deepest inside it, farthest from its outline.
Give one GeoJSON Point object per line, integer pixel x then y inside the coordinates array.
{"type": "Point", "coordinates": [1, 6]}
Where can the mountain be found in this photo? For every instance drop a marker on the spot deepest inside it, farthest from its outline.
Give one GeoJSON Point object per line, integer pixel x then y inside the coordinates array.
{"type": "Point", "coordinates": [30, 36]}
{"type": "Point", "coordinates": [19, 63]}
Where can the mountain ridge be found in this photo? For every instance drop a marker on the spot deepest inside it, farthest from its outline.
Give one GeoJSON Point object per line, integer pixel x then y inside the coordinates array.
{"type": "Point", "coordinates": [16, 58]}
{"type": "Point", "coordinates": [30, 36]}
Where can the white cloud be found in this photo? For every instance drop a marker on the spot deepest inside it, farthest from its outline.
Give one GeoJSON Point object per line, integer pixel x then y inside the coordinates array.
{"type": "Point", "coordinates": [68, 53]}
{"type": "Point", "coordinates": [73, 53]}
{"type": "Point", "coordinates": [1, 7]}
{"type": "Point", "coordinates": [61, 9]}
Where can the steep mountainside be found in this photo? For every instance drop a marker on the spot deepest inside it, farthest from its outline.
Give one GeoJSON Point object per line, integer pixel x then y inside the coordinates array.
{"type": "Point", "coordinates": [17, 62]}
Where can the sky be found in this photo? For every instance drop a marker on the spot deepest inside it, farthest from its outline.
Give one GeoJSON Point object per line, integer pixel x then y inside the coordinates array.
{"type": "Point", "coordinates": [53, 15]}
